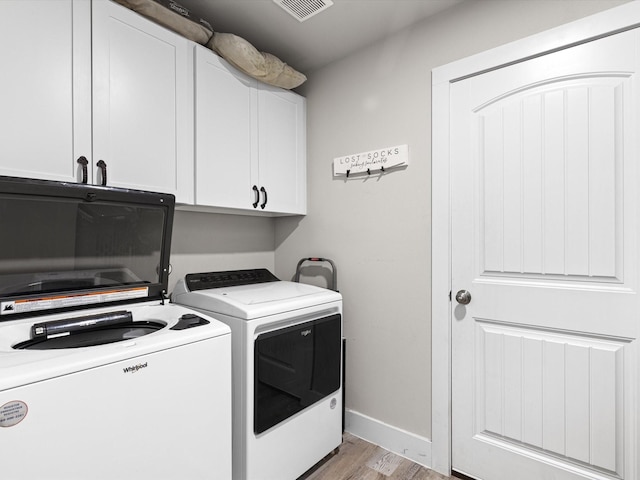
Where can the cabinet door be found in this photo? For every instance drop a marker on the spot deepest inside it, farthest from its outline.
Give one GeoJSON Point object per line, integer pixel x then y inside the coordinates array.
{"type": "Point", "coordinates": [226, 140]}
{"type": "Point", "coordinates": [45, 88]}
{"type": "Point", "coordinates": [142, 103]}
{"type": "Point", "coordinates": [282, 150]}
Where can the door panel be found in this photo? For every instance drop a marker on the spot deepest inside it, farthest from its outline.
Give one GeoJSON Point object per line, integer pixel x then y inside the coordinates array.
{"type": "Point", "coordinates": [45, 89]}
{"type": "Point", "coordinates": [282, 165]}
{"type": "Point", "coordinates": [544, 236]}
{"type": "Point", "coordinates": [226, 140]}
{"type": "Point", "coordinates": [142, 102]}
{"type": "Point", "coordinates": [554, 392]}
{"type": "Point", "coordinates": [534, 218]}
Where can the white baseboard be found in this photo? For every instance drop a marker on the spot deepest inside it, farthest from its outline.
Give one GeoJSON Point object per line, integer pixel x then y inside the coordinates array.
{"type": "Point", "coordinates": [396, 440]}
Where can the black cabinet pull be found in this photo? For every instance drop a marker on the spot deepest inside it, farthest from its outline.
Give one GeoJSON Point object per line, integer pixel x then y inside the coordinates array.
{"type": "Point", "coordinates": [85, 173]}
{"type": "Point", "coordinates": [255, 204]}
{"type": "Point", "coordinates": [103, 168]}
{"type": "Point", "coordinates": [263, 204]}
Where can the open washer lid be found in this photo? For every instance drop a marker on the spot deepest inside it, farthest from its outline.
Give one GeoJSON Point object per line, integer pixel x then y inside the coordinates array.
{"type": "Point", "coordinates": [67, 246]}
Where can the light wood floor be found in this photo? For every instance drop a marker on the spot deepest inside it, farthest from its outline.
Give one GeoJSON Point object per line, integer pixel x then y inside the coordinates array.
{"type": "Point", "coordinates": [361, 460]}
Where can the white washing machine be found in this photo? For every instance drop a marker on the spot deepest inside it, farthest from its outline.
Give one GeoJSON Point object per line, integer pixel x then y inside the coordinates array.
{"type": "Point", "coordinates": [100, 377]}
{"type": "Point", "coordinates": [147, 408]}
{"type": "Point", "coordinates": [287, 367]}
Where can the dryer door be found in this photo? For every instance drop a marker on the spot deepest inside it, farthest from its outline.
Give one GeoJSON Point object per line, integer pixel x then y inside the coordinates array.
{"type": "Point", "coordinates": [295, 367]}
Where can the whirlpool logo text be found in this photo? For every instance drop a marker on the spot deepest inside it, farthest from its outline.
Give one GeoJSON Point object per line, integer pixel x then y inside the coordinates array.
{"type": "Point", "coordinates": [134, 368]}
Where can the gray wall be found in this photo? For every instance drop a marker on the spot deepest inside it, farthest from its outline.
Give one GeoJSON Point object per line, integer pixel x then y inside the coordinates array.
{"type": "Point", "coordinates": [209, 242]}
{"type": "Point", "coordinates": [377, 229]}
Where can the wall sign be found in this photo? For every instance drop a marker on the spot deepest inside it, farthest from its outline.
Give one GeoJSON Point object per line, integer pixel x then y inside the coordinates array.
{"type": "Point", "coordinates": [368, 162]}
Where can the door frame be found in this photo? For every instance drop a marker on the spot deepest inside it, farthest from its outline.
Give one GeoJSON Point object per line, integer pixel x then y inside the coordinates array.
{"type": "Point", "coordinates": [614, 20]}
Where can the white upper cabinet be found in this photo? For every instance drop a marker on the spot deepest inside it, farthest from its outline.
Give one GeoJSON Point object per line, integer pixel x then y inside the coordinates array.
{"type": "Point", "coordinates": [105, 96]}
{"type": "Point", "coordinates": [226, 136]}
{"type": "Point", "coordinates": [142, 103]}
{"type": "Point", "coordinates": [45, 88]}
{"type": "Point", "coordinates": [282, 150]}
{"type": "Point", "coordinates": [98, 82]}
{"type": "Point", "coordinates": [250, 141]}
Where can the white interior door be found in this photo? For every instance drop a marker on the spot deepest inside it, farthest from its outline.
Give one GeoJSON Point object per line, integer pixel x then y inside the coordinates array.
{"type": "Point", "coordinates": [544, 168]}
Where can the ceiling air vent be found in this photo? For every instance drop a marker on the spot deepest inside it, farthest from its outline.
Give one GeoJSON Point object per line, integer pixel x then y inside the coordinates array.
{"type": "Point", "coordinates": [303, 9]}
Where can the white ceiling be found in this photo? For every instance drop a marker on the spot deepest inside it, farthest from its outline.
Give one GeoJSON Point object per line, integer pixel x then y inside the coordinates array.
{"type": "Point", "coordinates": [341, 29]}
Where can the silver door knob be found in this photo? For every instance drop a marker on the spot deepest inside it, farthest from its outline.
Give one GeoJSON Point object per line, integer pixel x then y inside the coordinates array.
{"type": "Point", "coordinates": [463, 297]}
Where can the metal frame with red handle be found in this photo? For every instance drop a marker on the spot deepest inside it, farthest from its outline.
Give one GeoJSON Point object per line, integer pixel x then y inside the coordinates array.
{"type": "Point", "coordinates": [296, 277]}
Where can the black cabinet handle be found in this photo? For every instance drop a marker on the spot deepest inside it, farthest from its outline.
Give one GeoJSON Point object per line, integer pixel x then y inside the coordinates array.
{"type": "Point", "coordinates": [85, 173]}
{"type": "Point", "coordinates": [255, 204]}
{"type": "Point", "coordinates": [263, 204]}
{"type": "Point", "coordinates": [103, 168]}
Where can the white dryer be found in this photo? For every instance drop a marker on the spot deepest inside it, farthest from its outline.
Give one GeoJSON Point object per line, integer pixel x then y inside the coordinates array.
{"type": "Point", "coordinates": [287, 367]}
{"type": "Point", "coordinates": [100, 377]}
